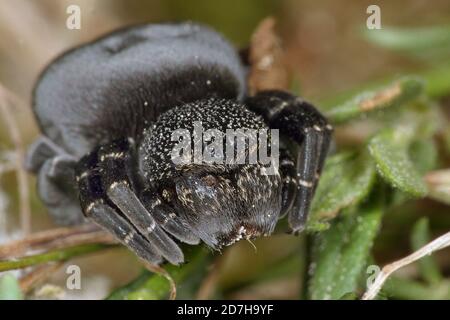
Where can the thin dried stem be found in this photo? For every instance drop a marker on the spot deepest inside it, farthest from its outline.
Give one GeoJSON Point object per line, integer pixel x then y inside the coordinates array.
{"type": "Point", "coordinates": [437, 244]}
{"type": "Point", "coordinates": [50, 256]}
{"type": "Point", "coordinates": [16, 138]}
{"type": "Point", "coordinates": [38, 275]}
{"type": "Point", "coordinates": [438, 183]}
{"type": "Point", "coordinates": [7, 162]}
{"type": "Point", "coordinates": [209, 283]}
{"type": "Point", "coordinates": [159, 270]}
{"type": "Point", "coordinates": [55, 239]}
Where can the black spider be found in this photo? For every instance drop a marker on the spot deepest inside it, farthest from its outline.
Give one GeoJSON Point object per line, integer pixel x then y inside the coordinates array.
{"type": "Point", "coordinates": [106, 110]}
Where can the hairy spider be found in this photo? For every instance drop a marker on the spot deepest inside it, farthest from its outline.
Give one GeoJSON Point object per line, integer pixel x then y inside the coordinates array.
{"type": "Point", "coordinates": [107, 110]}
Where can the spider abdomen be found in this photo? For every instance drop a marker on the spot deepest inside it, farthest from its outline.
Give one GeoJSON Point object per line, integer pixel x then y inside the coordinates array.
{"type": "Point", "coordinates": [119, 84]}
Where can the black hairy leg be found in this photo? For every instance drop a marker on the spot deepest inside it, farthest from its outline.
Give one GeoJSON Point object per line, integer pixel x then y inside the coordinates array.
{"type": "Point", "coordinates": [55, 176]}
{"type": "Point", "coordinates": [167, 218]}
{"type": "Point", "coordinates": [288, 172]}
{"type": "Point", "coordinates": [303, 124]}
{"type": "Point", "coordinates": [108, 196]}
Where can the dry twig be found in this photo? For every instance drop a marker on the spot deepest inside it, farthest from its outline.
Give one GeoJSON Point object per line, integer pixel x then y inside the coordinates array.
{"type": "Point", "coordinates": [55, 239]}
{"type": "Point", "coordinates": [161, 271]}
{"type": "Point", "coordinates": [209, 283]}
{"type": "Point", "coordinates": [6, 99]}
{"type": "Point", "coordinates": [438, 183]}
{"type": "Point", "coordinates": [435, 245]}
{"type": "Point", "coordinates": [267, 60]}
{"type": "Point", "coordinates": [38, 275]}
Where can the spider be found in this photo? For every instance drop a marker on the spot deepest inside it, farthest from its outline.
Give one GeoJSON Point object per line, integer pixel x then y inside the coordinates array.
{"type": "Point", "coordinates": [106, 110]}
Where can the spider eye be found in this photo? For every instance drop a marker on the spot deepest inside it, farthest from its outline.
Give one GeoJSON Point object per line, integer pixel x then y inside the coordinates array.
{"type": "Point", "coordinates": [167, 195]}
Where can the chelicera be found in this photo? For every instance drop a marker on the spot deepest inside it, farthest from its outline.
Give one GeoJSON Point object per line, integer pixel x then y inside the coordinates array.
{"type": "Point", "coordinates": [106, 110]}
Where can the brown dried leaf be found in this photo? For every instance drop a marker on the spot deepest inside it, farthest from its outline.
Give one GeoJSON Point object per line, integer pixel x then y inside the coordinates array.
{"type": "Point", "coordinates": [267, 59]}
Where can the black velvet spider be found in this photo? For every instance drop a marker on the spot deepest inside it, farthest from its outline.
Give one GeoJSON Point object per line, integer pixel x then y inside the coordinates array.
{"type": "Point", "coordinates": [106, 110]}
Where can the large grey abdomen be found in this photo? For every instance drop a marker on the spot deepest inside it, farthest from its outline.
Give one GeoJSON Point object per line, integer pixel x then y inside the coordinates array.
{"type": "Point", "coordinates": [117, 85]}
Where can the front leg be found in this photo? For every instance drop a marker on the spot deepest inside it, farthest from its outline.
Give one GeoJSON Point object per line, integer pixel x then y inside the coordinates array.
{"type": "Point", "coordinates": [108, 196]}
{"type": "Point", "coordinates": [302, 123]}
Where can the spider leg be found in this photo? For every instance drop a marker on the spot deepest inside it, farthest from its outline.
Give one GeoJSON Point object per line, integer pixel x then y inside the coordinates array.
{"type": "Point", "coordinates": [148, 208]}
{"type": "Point", "coordinates": [168, 220]}
{"type": "Point", "coordinates": [302, 123]}
{"type": "Point", "coordinates": [124, 198]}
{"type": "Point", "coordinates": [41, 150]}
{"type": "Point", "coordinates": [97, 207]}
{"type": "Point", "coordinates": [55, 183]}
{"type": "Point", "coordinates": [115, 159]}
{"type": "Point", "coordinates": [115, 170]}
{"type": "Point", "coordinates": [289, 190]}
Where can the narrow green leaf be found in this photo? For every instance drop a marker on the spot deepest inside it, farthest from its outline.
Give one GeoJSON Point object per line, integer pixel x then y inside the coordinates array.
{"type": "Point", "coordinates": [428, 266]}
{"type": "Point", "coordinates": [340, 253]}
{"type": "Point", "coordinates": [436, 79]}
{"type": "Point", "coordinates": [346, 180]}
{"type": "Point", "coordinates": [424, 154]}
{"type": "Point", "coordinates": [392, 95]}
{"type": "Point", "coordinates": [411, 39]}
{"type": "Point", "coordinates": [9, 288]}
{"type": "Point", "coordinates": [349, 296]}
{"type": "Point", "coordinates": [55, 255]}
{"type": "Point", "coordinates": [389, 149]}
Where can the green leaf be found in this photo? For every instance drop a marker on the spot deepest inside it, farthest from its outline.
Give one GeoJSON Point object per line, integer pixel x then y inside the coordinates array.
{"type": "Point", "coordinates": [340, 253]}
{"type": "Point", "coordinates": [9, 288]}
{"type": "Point", "coordinates": [411, 39]}
{"type": "Point", "coordinates": [150, 286]}
{"type": "Point", "coordinates": [55, 255]}
{"type": "Point", "coordinates": [389, 149]}
{"type": "Point", "coordinates": [436, 79]}
{"type": "Point", "coordinates": [346, 180]}
{"type": "Point", "coordinates": [428, 266]}
{"type": "Point", "coordinates": [349, 296]}
{"type": "Point", "coordinates": [392, 95]}
{"type": "Point", "coordinates": [424, 154]}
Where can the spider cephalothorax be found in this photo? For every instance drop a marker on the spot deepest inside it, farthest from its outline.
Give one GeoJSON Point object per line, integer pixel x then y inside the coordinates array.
{"type": "Point", "coordinates": [221, 202]}
{"type": "Point", "coordinates": [108, 111]}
